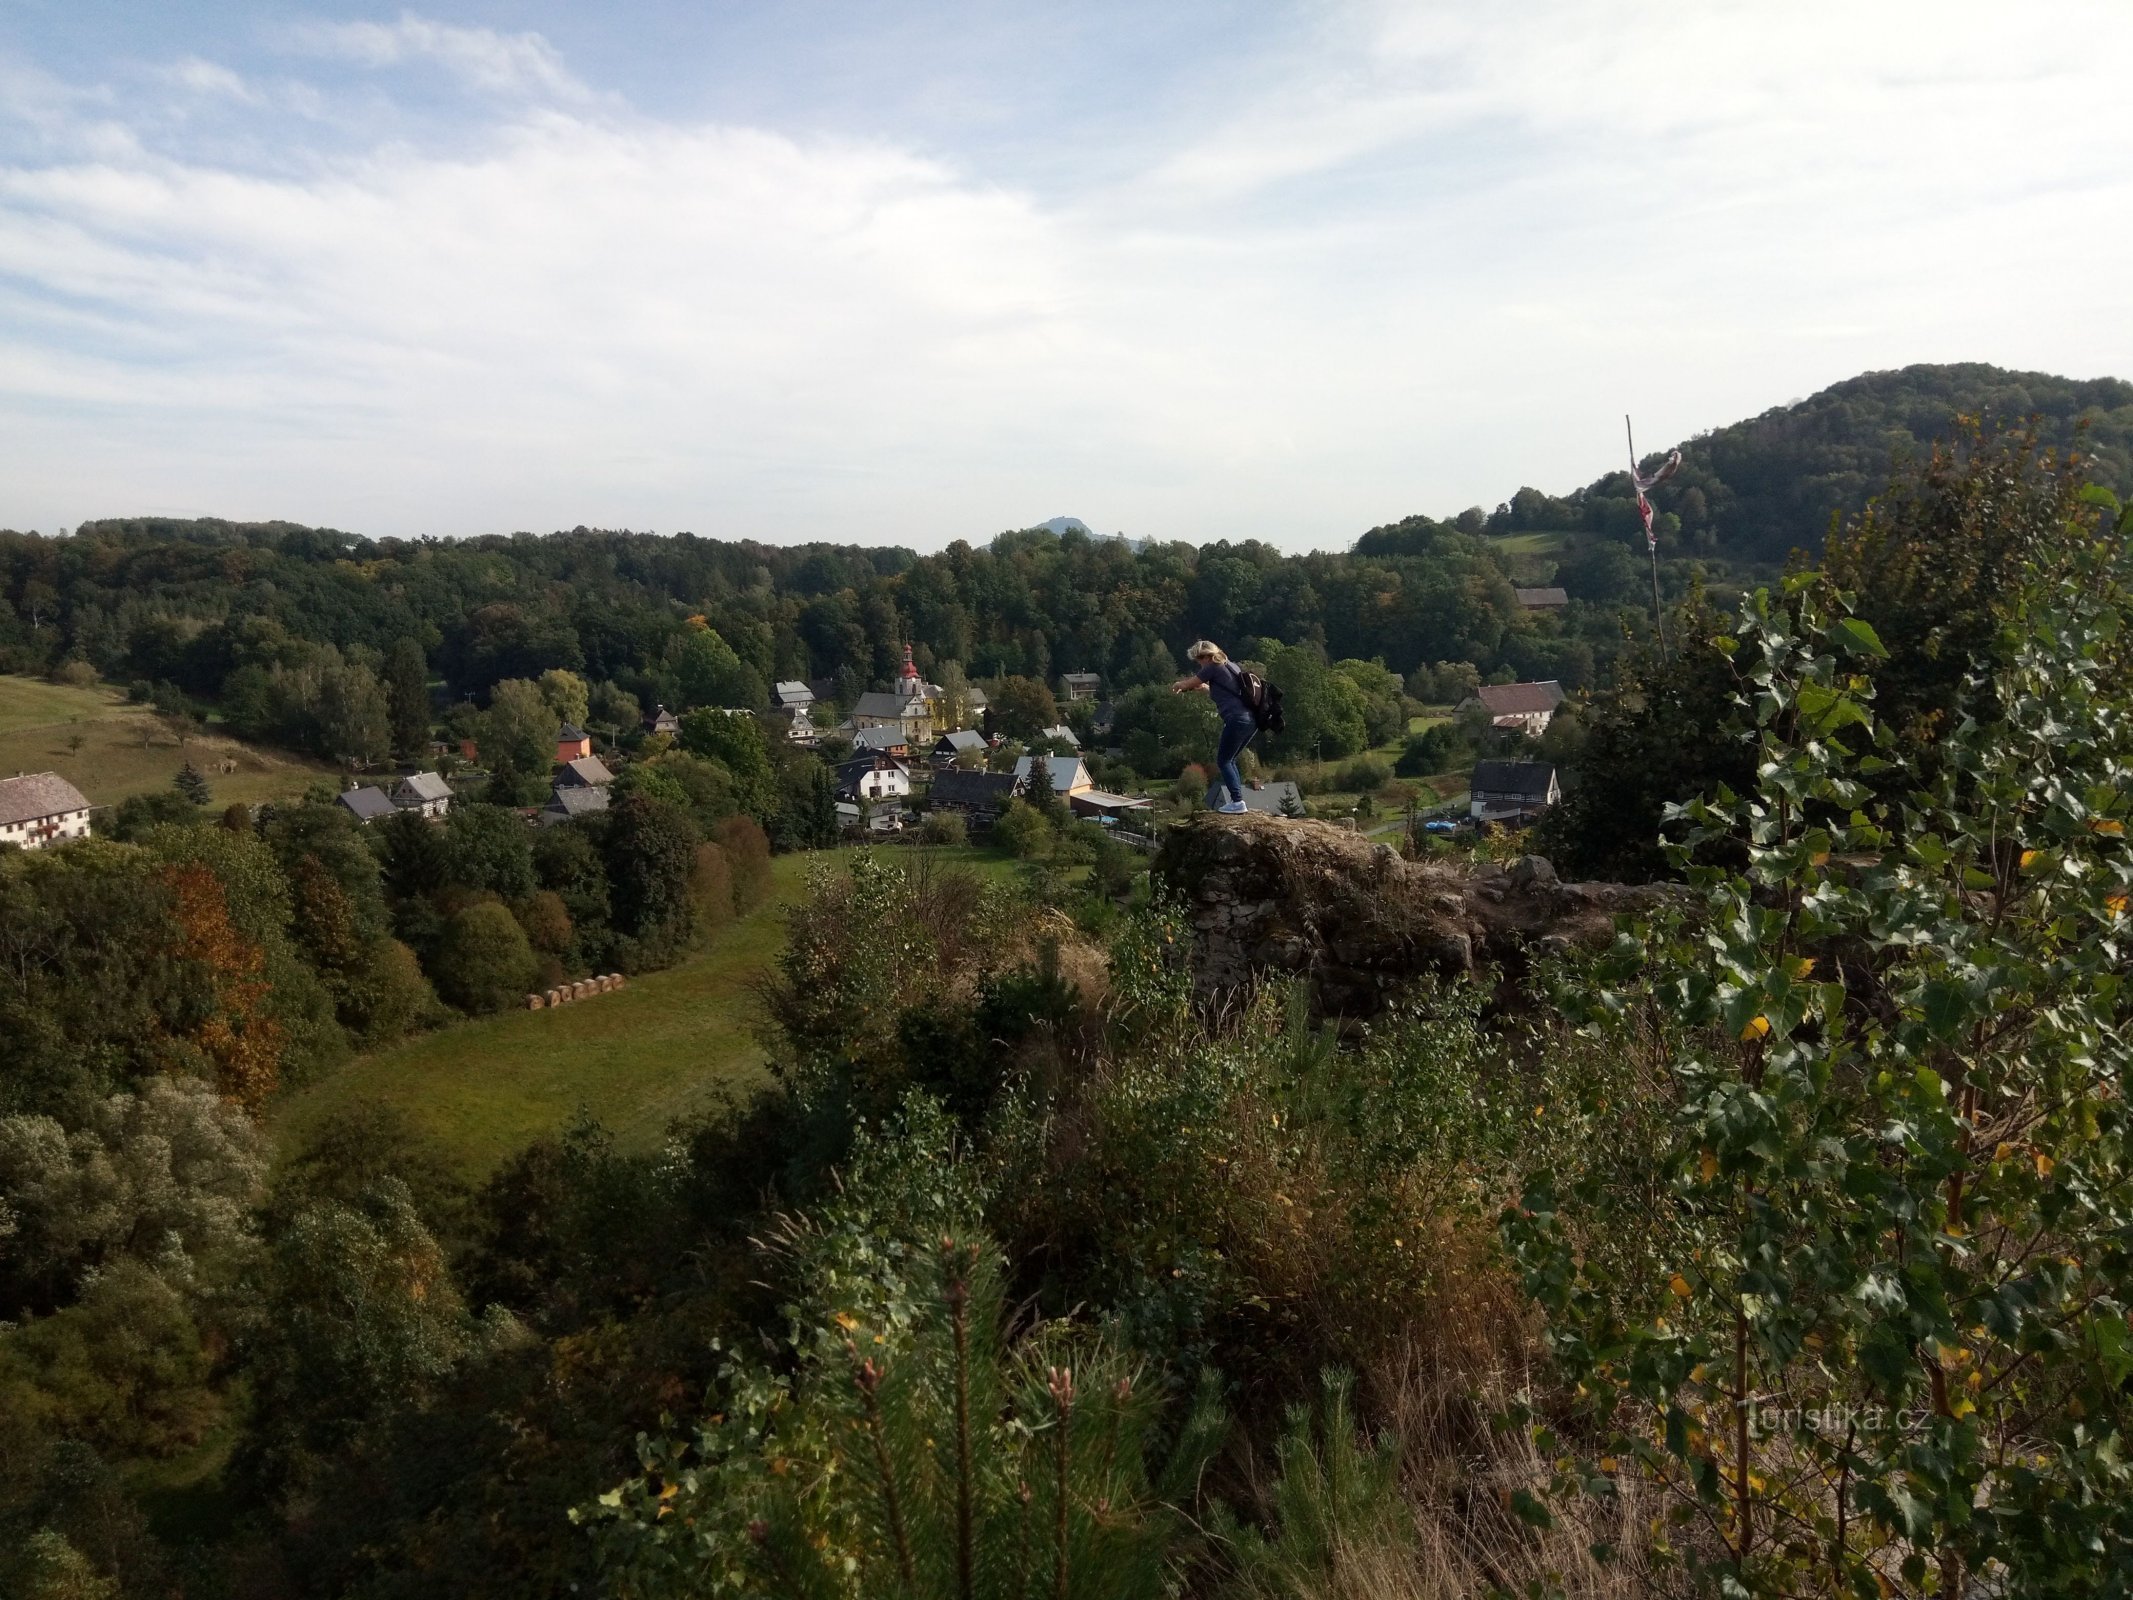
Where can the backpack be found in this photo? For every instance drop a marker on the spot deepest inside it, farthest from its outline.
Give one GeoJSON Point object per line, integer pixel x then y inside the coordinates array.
{"type": "Point", "coordinates": [1263, 700]}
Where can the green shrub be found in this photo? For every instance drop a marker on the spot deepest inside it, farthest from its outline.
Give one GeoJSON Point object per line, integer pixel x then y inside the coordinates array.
{"type": "Point", "coordinates": [1021, 830]}
{"type": "Point", "coordinates": [483, 961]}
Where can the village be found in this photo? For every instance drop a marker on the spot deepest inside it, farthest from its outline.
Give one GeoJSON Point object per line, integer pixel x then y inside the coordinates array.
{"type": "Point", "coordinates": [910, 752]}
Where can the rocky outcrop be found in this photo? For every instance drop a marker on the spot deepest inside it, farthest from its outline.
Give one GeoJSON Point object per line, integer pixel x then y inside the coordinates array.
{"type": "Point", "coordinates": [1270, 895]}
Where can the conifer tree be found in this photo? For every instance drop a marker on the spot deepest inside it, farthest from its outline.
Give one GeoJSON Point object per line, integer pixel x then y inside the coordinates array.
{"type": "Point", "coordinates": [192, 785]}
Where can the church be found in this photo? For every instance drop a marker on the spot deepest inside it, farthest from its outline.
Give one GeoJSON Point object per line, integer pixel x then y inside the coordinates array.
{"type": "Point", "coordinates": [913, 707]}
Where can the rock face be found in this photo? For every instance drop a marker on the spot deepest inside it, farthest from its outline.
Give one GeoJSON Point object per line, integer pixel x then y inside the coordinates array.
{"type": "Point", "coordinates": [1271, 895]}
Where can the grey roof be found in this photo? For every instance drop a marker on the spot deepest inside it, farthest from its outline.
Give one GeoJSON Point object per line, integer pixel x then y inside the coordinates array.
{"type": "Point", "coordinates": [791, 692]}
{"type": "Point", "coordinates": [961, 739]}
{"type": "Point", "coordinates": [39, 794]}
{"type": "Point", "coordinates": [1539, 599]}
{"type": "Point", "coordinates": [367, 803]}
{"type": "Point", "coordinates": [567, 802]}
{"type": "Point", "coordinates": [569, 733]}
{"type": "Point", "coordinates": [1105, 800]}
{"type": "Point", "coordinates": [425, 786]}
{"type": "Point", "coordinates": [1063, 734]}
{"type": "Point", "coordinates": [976, 698]}
{"type": "Point", "coordinates": [878, 738]}
{"type": "Point", "coordinates": [1519, 699]}
{"type": "Point", "coordinates": [1065, 771]}
{"type": "Point", "coordinates": [1269, 796]}
{"type": "Point", "coordinates": [1529, 780]}
{"type": "Point", "coordinates": [883, 703]}
{"type": "Point", "coordinates": [973, 788]}
{"type": "Point", "coordinates": [586, 772]}
{"type": "Point", "coordinates": [850, 772]}
{"type": "Point", "coordinates": [1081, 677]}
{"type": "Point", "coordinates": [661, 717]}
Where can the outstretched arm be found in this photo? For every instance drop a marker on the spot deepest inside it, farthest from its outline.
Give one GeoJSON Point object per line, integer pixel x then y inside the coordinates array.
{"type": "Point", "coordinates": [1187, 685]}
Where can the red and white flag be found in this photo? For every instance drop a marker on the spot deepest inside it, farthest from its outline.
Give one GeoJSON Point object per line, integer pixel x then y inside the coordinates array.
{"type": "Point", "coordinates": [1641, 482]}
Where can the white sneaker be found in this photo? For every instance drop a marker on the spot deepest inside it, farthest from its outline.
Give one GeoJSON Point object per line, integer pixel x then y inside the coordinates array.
{"type": "Point", "coordinates": [1236, 808]}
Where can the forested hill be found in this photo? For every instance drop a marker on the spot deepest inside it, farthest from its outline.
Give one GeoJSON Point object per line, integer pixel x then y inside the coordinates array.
{"type": "Point", "coordinates": [225, 611]}
{"type": "Point", "coordinates": [1754, 492]}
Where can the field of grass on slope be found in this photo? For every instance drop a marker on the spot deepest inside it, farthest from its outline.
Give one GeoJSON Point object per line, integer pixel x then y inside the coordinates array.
{"type": "Point", "coordinates": [669, 1044]}
{"type": "Point", "coordinates": [109, 749]}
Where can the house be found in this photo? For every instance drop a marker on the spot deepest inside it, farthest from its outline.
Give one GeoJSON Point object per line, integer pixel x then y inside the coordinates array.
{"type": "Point", "coordinates": [1278, 798]}
{"type": "Point", "coordinates": [569, 801]}
{"type": "Point", "coordinates": [887, 741]}
{"type": "Point", "coordinates": [572, 742]}
{"type": "Point", "coordinates": [1104, 718]}
{"type": "Point", "coordinates": [1542, 599]}
{"type": "Point", "coordinates": [1105, 806]}
{"type": "Point", "coordinates": [1060, 733]}
{"type": "Point", "coordinates": [873, 777]}
{"type": "Point", "coordinates": [662, 721]}
{"type": "Point", "coordinates": [881, 819]}
{"type": "Point", "coordinates": [1512, 791]}
{"type": "Point", "coordinates": [789, 694]}
{"type": "Point", "coordinates": [41, 808]}
{"type": "Point", "coordinates": [976, 796]}
{"type": "Point", "coordinates": [1081, 685]}
{"type": "Point", "coordinates": [800, 727]}
{"type": "Point", "coordinates": [586, 772]}
{"type": "Point", "coordinates": [1526, 706]}
{"type": "Point", "coordinates": [962, 742]}
{"type": "Point", "coordinates": [366, 803]}
{"type": "Point", "coordinates": [425, 792]}
{"type": "Point", "coordinates": [1070, 775]}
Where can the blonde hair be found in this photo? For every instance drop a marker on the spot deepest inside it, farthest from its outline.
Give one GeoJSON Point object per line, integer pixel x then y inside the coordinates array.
{"type": "Point", "coordinates": [1206, 650]}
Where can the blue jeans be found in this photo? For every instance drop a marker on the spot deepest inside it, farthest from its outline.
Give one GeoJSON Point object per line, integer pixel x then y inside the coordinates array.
{"type": "Point", "coordinates": [1235, 736]}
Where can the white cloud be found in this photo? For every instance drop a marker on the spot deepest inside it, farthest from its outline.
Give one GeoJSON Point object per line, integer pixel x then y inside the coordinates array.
{"type": "Point", "coordinates": [1439, 259]}
{"type": "Point", "coordinates": [496, 63]}
{"type": "Point", "coordinates": [212, 79]}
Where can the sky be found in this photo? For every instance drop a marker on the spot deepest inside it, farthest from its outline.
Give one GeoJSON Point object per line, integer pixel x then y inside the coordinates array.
{"type": "Point", "coordinates": [911, 273]}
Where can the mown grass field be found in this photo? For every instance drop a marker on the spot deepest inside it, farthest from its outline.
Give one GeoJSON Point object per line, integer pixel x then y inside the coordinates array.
{"type": "Point", "coordinates": [1537, 543]}
{"type": "Point", "coordinates": [668, 1045]}
{"type": "Point", "coordinates": [110, 750]}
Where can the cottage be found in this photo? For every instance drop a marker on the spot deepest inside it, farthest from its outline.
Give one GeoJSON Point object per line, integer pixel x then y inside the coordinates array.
{"type": "Point", "coordinates": [789, 694]}
{"type": "Point", "coordinates": [975, 796]}
{"type": "Point", "coordinates": [800, 727]}
{"type": "Point", "coordinates": [1104, 718]}
{"type": "Point", "coordinates": [886, 741]}
{"type": "Point", "coordinates": [572, 742]}
{"type": "Point", "coordinates": [366, 803]}
{"type": "Point", "coordinates": [569, 801]}
{"type": "Point", "coordinates": [423, 792]}
{"type": "Point", "coordinates": [1081, 685]}
{"type": "Point", "coordinates": [586, 772]}
{"type": "Point", "coordinates": [1512, 791]}
{"type": "Point", "coordinates": [41, 808]}
{"type": "Point", "coordinates": [1069, 774]}
{"type": "Point", "coordinates": [949, 747]}
{"type": "Point", "coordinates": [873, 777]}
{"type": "Point", "coordinates": [1542, 599]}
{"type": "Point", "coordinates": [1059, 733]}
{"type": "Point", "coordinates": [1525, 706]}
{"type": "Point", "coordinates": [878, 819]}
{"type": "Point", "coordinates": [662, 721]}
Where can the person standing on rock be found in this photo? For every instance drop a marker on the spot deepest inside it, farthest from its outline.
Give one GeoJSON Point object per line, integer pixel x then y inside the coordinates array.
{"type": "Point", "coordinates": [1216, 676]}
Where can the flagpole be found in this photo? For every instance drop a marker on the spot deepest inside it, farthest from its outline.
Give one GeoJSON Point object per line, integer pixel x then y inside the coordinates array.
{"type": "Point", "coordinates": [1651, 542]}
